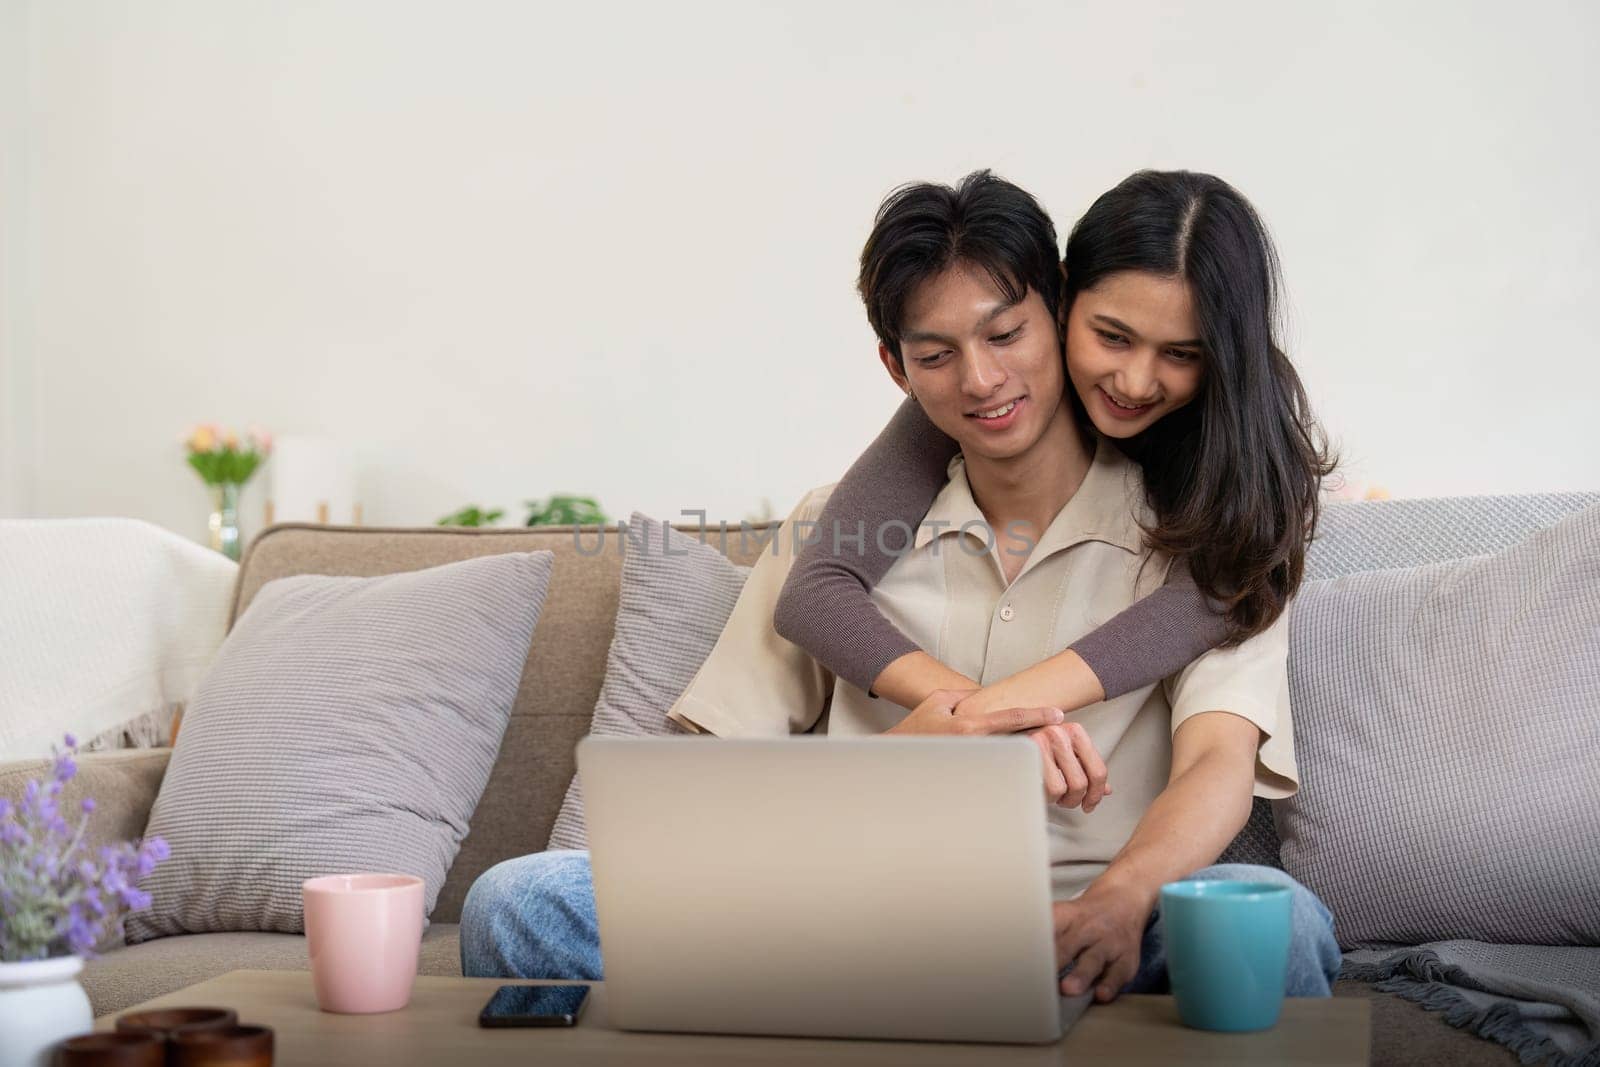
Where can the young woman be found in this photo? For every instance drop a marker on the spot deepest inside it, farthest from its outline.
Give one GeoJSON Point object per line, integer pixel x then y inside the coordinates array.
{"type": "Point", "coordinates": [1216, 417]}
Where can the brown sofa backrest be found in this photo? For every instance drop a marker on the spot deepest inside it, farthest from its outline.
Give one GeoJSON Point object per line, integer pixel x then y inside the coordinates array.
{"type": "Point", "coordinates": [560, 681]}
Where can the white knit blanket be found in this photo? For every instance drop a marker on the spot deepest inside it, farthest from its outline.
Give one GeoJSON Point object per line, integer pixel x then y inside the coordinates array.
{"type": "Point", "coordinates": [103, 622]}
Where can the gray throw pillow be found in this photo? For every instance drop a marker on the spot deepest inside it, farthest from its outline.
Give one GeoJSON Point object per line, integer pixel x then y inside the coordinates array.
{"type": "Point", "coordinates": [1446, 721]}
{"type": "Point", "coordinates": [675, 599]}
{"type": "Point", "coordinates": [348, 724]}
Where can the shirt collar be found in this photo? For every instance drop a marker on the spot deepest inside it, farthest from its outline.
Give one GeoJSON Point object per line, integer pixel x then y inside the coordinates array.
{"type": "Point", "coordinates": [1109, 506]}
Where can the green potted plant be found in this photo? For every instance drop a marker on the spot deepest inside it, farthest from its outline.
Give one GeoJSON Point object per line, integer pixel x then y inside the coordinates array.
{"type": "Point", "coordinates": [472, 515]}
{"type": "Point", "coordinates": [566, 510]}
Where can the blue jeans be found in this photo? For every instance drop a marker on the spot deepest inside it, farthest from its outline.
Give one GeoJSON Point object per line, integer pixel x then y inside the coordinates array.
{"type": "Point", "coordinates": [533, 917]}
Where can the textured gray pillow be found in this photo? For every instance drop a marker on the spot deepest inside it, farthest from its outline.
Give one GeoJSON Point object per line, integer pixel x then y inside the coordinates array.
{"type": "Point", "coordinates": [675, 599]}
{"type": "Point", "coordinates": [1447, 720]}
{"type": "Point", "coordinates": [348, 724]}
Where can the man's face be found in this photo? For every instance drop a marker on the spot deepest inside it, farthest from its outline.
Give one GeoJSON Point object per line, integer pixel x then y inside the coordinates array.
{"type": "Point", "coordinates": [988, 373]}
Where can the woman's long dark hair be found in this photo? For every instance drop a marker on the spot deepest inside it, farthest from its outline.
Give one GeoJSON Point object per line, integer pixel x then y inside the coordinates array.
{"type": "Point", "coordinates": [1234, 475]}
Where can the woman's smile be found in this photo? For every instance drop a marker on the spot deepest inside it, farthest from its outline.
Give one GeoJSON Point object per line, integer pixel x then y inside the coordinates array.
{"type": "Point", "coordinates": [1119, 410]}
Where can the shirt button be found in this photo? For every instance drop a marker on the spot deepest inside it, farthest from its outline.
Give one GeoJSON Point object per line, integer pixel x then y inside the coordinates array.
{"type": "Point", "coordinates": [1007, 614]}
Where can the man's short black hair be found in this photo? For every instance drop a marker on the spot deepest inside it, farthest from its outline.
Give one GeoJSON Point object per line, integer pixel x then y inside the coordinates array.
{"type": "Point", "coordinates": [923, 228]}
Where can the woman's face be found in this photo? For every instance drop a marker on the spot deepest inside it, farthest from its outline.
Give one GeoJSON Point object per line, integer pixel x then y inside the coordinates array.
{"type": "Point", "coordinates": [1133, 350]}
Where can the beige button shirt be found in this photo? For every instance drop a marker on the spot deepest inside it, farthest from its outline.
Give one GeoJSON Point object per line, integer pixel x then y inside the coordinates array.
{"type": "Point", "coordinates": [949, 595]}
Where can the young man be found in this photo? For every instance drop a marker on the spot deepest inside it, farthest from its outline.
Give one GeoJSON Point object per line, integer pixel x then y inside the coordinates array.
{"type": "Point", "coordinates": [1035, 539]}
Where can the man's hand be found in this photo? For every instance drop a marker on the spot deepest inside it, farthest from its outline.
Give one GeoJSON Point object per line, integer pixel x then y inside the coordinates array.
{"type": "Point", "coordinates": [1100, 933]}
{"type": "Point", "coordinates": [1074, 773]}
{"type": "Point", "coordinates": [937, 715]}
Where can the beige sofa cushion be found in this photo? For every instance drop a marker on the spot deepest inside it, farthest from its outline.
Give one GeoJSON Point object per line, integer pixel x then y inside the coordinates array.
{"type": "Point", "coordinates": [560, 682]}
{"type": "Point", "coordinates": [676, 597]}
{"type": "Point", "coordinates": [1445, 721]}
{"type": "Point", "coordinates": [348, 724]}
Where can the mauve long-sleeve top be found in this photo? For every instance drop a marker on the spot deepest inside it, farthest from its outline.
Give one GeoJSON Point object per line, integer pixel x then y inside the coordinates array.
{"type": "Point", "coordinates": [826, 606]}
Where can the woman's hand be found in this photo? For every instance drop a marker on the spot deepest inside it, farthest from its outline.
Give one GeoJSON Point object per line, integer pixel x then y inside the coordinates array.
{"type": "Point", "coordinates": [1074, 773]}
{"type": "Point", "coordinates": [937, 715]}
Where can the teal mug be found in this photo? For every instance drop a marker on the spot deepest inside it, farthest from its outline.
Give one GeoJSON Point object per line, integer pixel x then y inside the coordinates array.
{"type": "Point", "coordinates": [1227, 951]}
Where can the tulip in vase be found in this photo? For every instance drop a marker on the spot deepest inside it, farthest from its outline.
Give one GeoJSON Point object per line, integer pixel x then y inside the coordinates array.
{"type": "Point", "coordinates": [225, 464]}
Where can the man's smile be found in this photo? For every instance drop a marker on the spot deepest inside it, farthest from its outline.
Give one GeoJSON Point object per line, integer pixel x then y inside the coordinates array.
{"type": "Point", "coordinates": [1000, 416]}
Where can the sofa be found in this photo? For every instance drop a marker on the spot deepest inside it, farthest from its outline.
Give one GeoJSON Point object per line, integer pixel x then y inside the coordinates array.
{"type": "Point", "coordinates": [556, 698]}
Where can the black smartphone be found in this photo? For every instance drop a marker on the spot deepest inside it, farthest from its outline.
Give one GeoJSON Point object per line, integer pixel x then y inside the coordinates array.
{"type": "Point", "coordinates": [534, 1005]}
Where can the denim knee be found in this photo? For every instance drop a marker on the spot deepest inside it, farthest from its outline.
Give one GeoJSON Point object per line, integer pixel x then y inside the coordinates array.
{"type": "Point", "coordinates": [1314, 957]}
{"type": "Point", "coordinates": [487, 896]}
{"type": "Point", "coordinates": [532, 917]}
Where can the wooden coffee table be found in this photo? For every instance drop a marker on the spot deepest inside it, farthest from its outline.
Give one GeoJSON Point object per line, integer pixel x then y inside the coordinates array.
{"type": "Point", "coordinates": [441, 1027]}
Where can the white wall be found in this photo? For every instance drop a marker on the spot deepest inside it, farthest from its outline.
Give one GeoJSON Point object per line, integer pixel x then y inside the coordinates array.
{"type": "Point", "coordinates": [16, 387]}
{"type": "Point", "coordinates": [510, 248]}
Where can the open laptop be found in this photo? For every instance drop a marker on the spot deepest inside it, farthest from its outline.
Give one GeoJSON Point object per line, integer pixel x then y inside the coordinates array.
{"type": "Point", "coordinates": [872, 887]}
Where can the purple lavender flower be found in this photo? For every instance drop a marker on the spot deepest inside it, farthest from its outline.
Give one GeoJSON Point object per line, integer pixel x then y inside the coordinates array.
{"type": "Point", "coordinates": [144, 863]}
{"type": "Point", "coordinates": [57, 897]}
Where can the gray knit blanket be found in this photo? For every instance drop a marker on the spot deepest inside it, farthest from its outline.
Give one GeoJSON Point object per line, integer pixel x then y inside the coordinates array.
{"type": "Point", "coordinates": [1541, 1001]}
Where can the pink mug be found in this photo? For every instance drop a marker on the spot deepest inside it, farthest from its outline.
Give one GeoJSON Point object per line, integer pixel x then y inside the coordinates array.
{"type": "Point", "coordinates": [363, 932]}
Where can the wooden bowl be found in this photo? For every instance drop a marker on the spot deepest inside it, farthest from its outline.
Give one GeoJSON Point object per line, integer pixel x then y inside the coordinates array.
{"type": "Point", "coordinates": [230, 1046]}
{"type": "Point", "coordinates": [164, 1023]}
{"type": "Point", "coordinates": [112, 1050]}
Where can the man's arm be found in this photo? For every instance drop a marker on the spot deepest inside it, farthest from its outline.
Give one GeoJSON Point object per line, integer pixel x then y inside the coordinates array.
{"type": "Point", "coordinates": [1205, 804]}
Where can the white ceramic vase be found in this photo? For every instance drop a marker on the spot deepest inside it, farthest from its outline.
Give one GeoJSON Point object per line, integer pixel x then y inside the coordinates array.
{"type": "Point", "coordinates": [41, 1003]}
